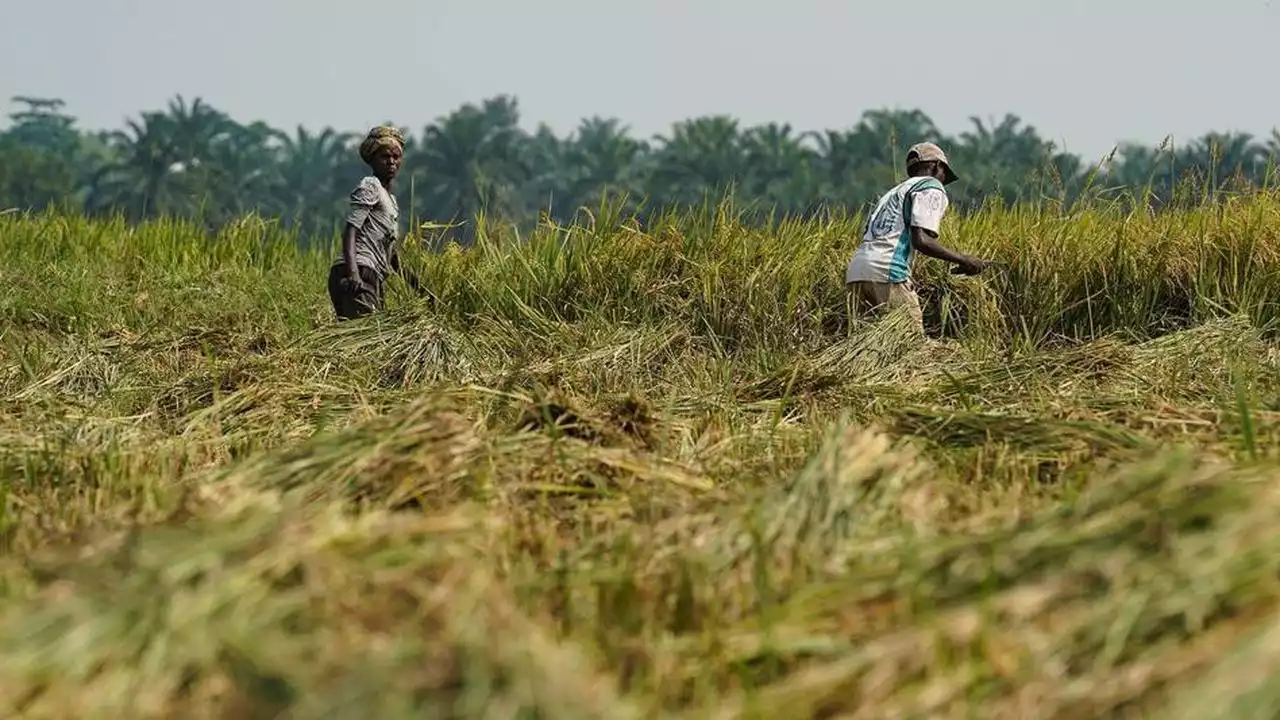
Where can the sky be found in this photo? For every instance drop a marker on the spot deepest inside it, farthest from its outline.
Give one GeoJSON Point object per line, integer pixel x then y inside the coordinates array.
{"type": "Point", "coordinates": [1086, 73]}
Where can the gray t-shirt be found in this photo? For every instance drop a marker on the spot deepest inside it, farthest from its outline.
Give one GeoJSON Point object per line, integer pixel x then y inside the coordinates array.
{"type": "Point", "coordinates": [376, 216]}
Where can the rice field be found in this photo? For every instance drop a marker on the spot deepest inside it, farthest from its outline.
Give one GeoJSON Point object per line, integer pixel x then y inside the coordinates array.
{"type": "Point", "coordinates": [605, 471]}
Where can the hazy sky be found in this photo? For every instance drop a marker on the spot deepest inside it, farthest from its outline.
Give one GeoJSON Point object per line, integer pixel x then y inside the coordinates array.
{"type": "Point", "coordinates": [1085, 72]}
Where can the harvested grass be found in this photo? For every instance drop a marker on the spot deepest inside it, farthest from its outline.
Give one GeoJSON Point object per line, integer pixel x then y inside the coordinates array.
{"type": "Point", "coordinates": [640, 474]}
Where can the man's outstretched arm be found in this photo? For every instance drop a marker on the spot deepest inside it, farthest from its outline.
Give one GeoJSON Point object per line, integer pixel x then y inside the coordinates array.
{"type": "Point", "coordinates": [926, 243]}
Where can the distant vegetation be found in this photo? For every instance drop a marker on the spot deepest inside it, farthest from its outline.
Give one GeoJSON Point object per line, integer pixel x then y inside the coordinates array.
{"type": "Point", "coordinates": [192, 160]}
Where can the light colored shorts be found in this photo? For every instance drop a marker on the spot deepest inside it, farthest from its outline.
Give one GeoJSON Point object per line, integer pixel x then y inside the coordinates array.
{"type": "Point", "coordinates": [874, 298]}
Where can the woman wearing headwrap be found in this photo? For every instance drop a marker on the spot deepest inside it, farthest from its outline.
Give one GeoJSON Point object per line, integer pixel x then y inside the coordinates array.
{"type": "Point", "coordinates": [368, 257]}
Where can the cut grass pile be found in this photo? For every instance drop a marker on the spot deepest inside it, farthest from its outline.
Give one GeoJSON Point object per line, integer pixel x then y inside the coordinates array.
{"type": "Point", "coordinates": [606, 472]}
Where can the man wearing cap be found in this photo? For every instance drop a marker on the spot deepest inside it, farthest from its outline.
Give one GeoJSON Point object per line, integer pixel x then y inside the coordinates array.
{"type": "Point", "coordinates": [905, 220]}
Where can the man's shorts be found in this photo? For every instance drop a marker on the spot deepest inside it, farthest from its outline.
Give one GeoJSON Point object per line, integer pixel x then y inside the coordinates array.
{"type": "Point", "coordinates": [874, 298]}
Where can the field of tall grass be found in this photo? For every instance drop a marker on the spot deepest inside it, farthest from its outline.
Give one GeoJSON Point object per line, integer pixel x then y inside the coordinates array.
{"type": "Point", "coordinates": [617, 472]}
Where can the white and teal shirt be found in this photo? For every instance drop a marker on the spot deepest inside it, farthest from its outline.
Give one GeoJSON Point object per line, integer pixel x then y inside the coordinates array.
{"type": "Point", "coordinates": [885, 253]}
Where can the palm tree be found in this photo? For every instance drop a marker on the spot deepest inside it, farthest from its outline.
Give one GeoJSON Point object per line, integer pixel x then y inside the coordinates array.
{"type": "Point", "coordinates": [42, 125]}
{"type": "Point", "coordinates": [474, 159]}
{"type": "Point", "coordinates": [306, 178]}
{"type": "Point", "coordinates": [603, 160]}
{"type": "Point", "coordinates": [239, 174]}
{"type": "Point", "coordinates": [844, 178]}
{"type": "Point", "coordinates": [999, 159]}
{"type": "Point", "coordinates": [196, 128]}
{"type": "Point", "coordinates": [1218, 158]}
{"type": "Point", "coordinates": [1272, 151]}
{"type": "Point", "coordinates": [137, 180]}
{"type": "Point", "coordinates": [885, 134]}
{"type": "Point", "coordinates": [31, 178]}
{"type": "Point", "coordinates": [780, 169]}
{"type": "Point", "coordinates": [702, 156]}
{"type": "Point", "coordinates": [548, 186]}
{"type": "Point", "coordinates": [165, 163]}
{"type": "Point", "coordinates": [857, 164]}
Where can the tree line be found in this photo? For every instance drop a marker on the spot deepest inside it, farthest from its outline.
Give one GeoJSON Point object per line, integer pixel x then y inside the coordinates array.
{"type": "Point", "coordinates": [192, 160]}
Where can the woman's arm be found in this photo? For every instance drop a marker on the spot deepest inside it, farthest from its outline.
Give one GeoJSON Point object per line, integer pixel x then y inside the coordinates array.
{"type": "Point", "coordinates": [349, 254]}
{"type": "Point", "coordinates": [361, 202]}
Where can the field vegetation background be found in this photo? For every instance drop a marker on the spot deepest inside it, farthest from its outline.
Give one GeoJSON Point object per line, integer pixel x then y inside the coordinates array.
{"type": "Point", "coordinates": [643, 464]}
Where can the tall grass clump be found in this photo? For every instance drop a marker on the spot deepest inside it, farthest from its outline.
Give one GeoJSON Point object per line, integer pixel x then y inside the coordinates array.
{"type": "Point", "coordinates": [613, 470]}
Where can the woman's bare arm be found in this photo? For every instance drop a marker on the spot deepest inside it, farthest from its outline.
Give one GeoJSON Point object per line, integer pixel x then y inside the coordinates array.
{"type": "Point", "coordinates": [349, 253]}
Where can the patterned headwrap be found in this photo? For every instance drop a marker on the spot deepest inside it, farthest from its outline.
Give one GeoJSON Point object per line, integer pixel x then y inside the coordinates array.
{"type": "Point", "coordinates": [378, 138]}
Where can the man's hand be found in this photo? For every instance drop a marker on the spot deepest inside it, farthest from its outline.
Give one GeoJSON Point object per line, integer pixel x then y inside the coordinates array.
{"type": "Point", "coordinates": [969, 266]}
{"type": "Point", "coordinates": [927, 243]}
